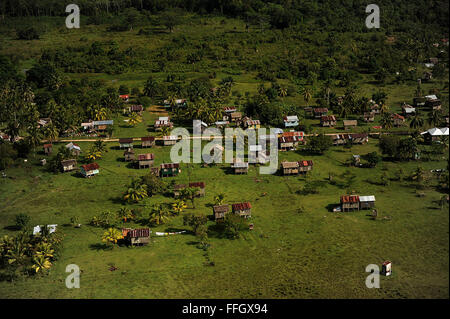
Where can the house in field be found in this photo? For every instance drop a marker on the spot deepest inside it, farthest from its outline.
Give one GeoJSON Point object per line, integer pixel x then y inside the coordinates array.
{"type": "Point", "coordinates": [305, 166]}
{"type": "Point", "coordinates": [75, 149]}
{"type": "Point", "coordinates": [217, 152]}
{"type": "Point", "coordinates": [124, 97]}
{"type": "Point", "coordinates": [290, 121]}
{"type": "Point", "coordinates": [252, 124]}
{"type": "Point", "coordinates": [328, 120]}
{"type": "Point", "coordinates": [90, 170]}
{"type": "Point", "coordinates": [220, 211]}
{"type": "Point", "coordinates": [242, 209]}
{"type": "Point", "coordinates": [432, 102]}
{"type": "Point", "coordinates": [147, 141]}
{"type": "Point", "coordinates": [408, 110]}
{"type": "Point", "coordinates": [354, 138]}
{"type": "Point", "coordinates": [288, 143]}
{"type": "Point", "coordinates": [240, 167]}
{"type": "Point", "coordinates": [136, 236]}
{"type": "Point", "coordinates": [399, 120]}
{"type": "Point", "coordinates": [369, 117]}
{"type": "Point", "coordinates": [200, 186]}
{"type": "Point", "coordinates": [129, 155]}
{"type": "Point", "coordinates": [319, 112]}
{"type": "Point", "coordinates": [68, 165]}
{"type": "Point", "coordinates": [43, 122]}
{"type": "Point", "coordinates": [435, 134]}
{"type": "Point", "coordinates": [170, 140]}
{"type": "Point", "coordinates": [136, 109]}
{"type": "Point", "coordinates": [235, 116]}
{"type": "Point", "coordinates": [169, 169]}
{"type": "Point", "coordinates": [350, 124]}
{"type": "Point", "coordinates": [366, 202]}
{"type": "Point", "coordinates": [146, 160]}
{"type": "Point", "coordinates": [126, 143]}
{"type": "Point", "coordinates": [48, 148]}
{"type": "Point", "coordinates": [349, 203]}
{"type": "Point", "coordinates": [163, 121]}
{"type": "Point", "coordinates": [290, 168]}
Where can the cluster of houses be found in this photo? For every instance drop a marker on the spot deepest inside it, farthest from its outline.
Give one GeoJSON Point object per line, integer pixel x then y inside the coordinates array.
{"type": "Point", "coordinates": [241, 209]}
{"type": "Point", "coordinates": [428, 102]}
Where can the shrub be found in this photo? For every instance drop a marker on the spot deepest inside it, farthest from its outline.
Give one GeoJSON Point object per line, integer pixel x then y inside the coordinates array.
{"type": "Point", "coordinates": [22, 220]}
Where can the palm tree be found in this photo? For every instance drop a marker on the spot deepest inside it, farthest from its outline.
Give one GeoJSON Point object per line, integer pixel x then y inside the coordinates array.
{"type": "Point", "coordinates": [165, 131]}
{"type": "Point", "coordinates": [151, 87]}
{"type": "Point", "coordinates": [219, 199]}
{"type": "Point", "coordinates": [92, 155]}
{"type": "Point", "coordinates": [34, 137]}
{"type": "Point", "coordinates": [134, 119]}
{"type": "Point", "coordinates": [101, 113]}
{"type": "Point", "coordinates": [384, 108]}
{"type": "Point", "coordinates": [435, 117]}
{"type": "Point", "coordinates": [45, 249]}
{"type": "Point", "coordinates": [159, 214]}
{"type": "Point", "coordinates": [111, 236]}
{"type": "Point", "coordinates": [178, 207]}
{"type": "Point", "coordinates": [386, 121]}
{"type": "Point", "coordinates": [136, 192]}
{"type": "Point", "coordinates": [416, 122]}
{"type": "Point", "coordinates": [51, 132]}
{"type": "Point", "coordinates": [307, 94]}
{"type": "Point", "coordinates": [100, 146]}
{"type": "Point", "coordinates": [282, 92]}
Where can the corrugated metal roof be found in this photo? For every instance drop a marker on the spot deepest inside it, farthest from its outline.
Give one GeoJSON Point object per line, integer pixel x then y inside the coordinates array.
{"type": "Point", "coordinates": [349, 199]}
{"type": "Point", "coordinates": [197, 184]}
{"type": "Point", "coordinates": [221, 208]}
{"type": "Point", "coordinates": [305, 163]}
{"type": "Point", "coordinates": [369, 198]}
{"type": "Point", "coordinates": [170, 165]}
{"type": "Point", "coordinates": [147, 138]}
{"type": "Point", "coordinates": [146, 157]}
{"type": "Point", "coordinates": [142, 232]}
{"type": "Point", "coordinates": [90, 167]}
{"type": "Point", "coordinates": [320, 110]}
{"type": "Point", "coordinates": [125, 140]}
{"type": "Point", "coordinates": [241, 206]}
{"type": "Point", "coordinates": [289, 164]}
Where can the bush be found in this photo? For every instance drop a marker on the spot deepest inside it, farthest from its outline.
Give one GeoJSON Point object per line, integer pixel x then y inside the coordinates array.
{"type": "Point", "coordinates": [29, 33]}
{"type": "Point", "coordinates": [233, 225]}
{"type": "Point", "coordinates": [22, 220]}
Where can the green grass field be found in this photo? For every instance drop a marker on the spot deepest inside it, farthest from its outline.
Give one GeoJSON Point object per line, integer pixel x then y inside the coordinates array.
{"type": "Point", "coordinates": [312, 254]}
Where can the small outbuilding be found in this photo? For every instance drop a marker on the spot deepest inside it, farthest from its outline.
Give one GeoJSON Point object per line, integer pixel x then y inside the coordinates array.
{"type": "Point", "coordinates": [136, 236]}
{"type": "Point", "coordinates": [350, 124]}
{"type": "Point", "coordinates": [328, 121]}
{"type": "Point", "coordinates": [68, 165]}
{"type": "Point", "coordinates": [240, 167]}
{"type": "Point", "coordinates": [349, 203]}
{"type": "Point", "coordinates": [146, 160]}
{"type": "Point", "coordinates": [126, 143]}
{"type": "Point", "coordinates": [48, 149]}
{"type": "Point", "coordinates": [242, 209]}
{"type": "Point", "coordinates": [129, 155]}
{"type": "Point", "coordinates": [169, 169]}
{"type": "Point", "coordinates": [90, 170]}
{"type": "Point", "coordinates": [366, 202]}
{"type": "Point", "coordinates": [220, 211]}
{"type": "Point", "coordinates": [169, 140]}
{"type": "Point", "coordinates": [305, 166]}
{"type": "Point", "coordinates": [290, 121]}
{"type": "Point", "coordinates": [147, 141]}
{"type": "Point", "coordinates": [290, 168]}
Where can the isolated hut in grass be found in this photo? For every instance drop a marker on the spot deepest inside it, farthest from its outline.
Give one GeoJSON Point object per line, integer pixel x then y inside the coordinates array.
{"type": "Point", "coordinates": [136, 109]}
{"type": "Point", "coordinates": [89, 170]}
{"type": "Point", "coordinates": [305, 166]}
{"type": "Point", "coordinates": [350, 124]}
{"type": "Point", "coordinates": [220, 211]}
{"type": "Point", "coordinates": [235, 116]}
{"type": "Point", "coordinates": [136, 237]}
{"type": "Point", "coordinates": [349, 203]}
{"type": "Point", "coordinates": [147, 141]}
{"type": "Point", "coordinates": [200, 186]}
{"type": "Point", "coordinates": [290, 168]}
{"type": "Point", "coordinates": [328, 121]}
{"type": "Point", "coordinates": [68, 165]}
{"type": "Point", "coordinates": [366, 202]}
{"type": "Point", "coordinates": [242, 209]}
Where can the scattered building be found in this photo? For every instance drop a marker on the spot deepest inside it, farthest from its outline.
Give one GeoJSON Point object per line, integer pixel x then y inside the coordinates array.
{"type": "Point", "coordinates": [169, 169]}
{"type": "Point", "coordinates": [178, 103]}
{"type": "Point", "coordinates": [251, 124]}
{"type": "Point", "coordinates": [136, 109]}
{"type": "Point", "coordinates": [242, 209]}
{"type": "Point", "coordinates": [305, 166]}
{"type": "Point", "coordinates": [408, 110]}
{"type": "Point", "coordinates": [68, 165]}
{"type": "Point", "coordinates": [355, 138]}
{"type": "Point", "coordinates": [90, 170]}
{"type": "Point", "coordinates": [435, 134]}
{"type": "Point", "coordinates": [349, 202]}
{"type": "Point", "coordinates": [288, 143]}
{"type": "Point", "coordinates": [146, 160]}
{"type": "Point", "coordinates": [235, 116]}
{"type": "Point", "coordinates": [75, 149]}
{"type": "Point", "coordinates": [126, 143]}
{"type": "Point", "coordinates": [200, 186]}
{"type": "Point", "coordinates": [328, 120]}
{"type": "Point", "coordinates": [291, 121]}
{"type": "Point", "coordinates": [290, 168]}
{"type": "Point", "coordinates": [147, 141]}
{"type": "Point", "coordinates": [366, 202]}
{"type": "Point", "coordinates": [129, 155]}
{"type": "Point", "coordinates": [350, 124]}
{"type": "Point", "coordinates": [136, 236]}
{"type": "Point", "coordinates": [124, 97]}
{"type": "Point", "coordinates": [220, 211]}
{"type": "Point", "coordinates": [319, 112]}
{"type": "Point", "coordinates": [398, 119]}
{"type": "Point", "coordinates": [169, 140]}
{"type": "Point", "coordinates": [163, 121]}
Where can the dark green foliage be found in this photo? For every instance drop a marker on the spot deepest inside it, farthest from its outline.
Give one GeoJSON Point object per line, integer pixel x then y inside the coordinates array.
{"type": "Point", "coordinates": [233, 225]}
{"type": "Point", "coordinates": [22, 220]}
{"type": "Point", "coordinates": [7, 155]}
{"type": "Point", "coordinates": [319, 144]}
{"type": "Point", "coordinates": [29, 33]}
{"type": "Point", "coordinates": [372, 159]}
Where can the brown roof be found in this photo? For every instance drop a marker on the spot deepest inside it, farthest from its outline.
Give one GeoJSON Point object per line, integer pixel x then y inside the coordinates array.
{"type": "Point", "coordinates": [146, 157]}
{"type": "Point", "coordinates": [179, 186]}
{"type": "Point", "coordinates": [136, 107]}
{"type": "Point", "coordinates": [349, 199]}
{"type": "Point", "coordinates": [68, 162]}
{"type": "Point", "coordinates": [241, 206]}
{"type": "Point", "coordinates": [170, 165]}
{"type": "Point", "coordinates": [142, 232]}
{"type": "Point", "coordinates": [90, 167]}
{"type": "Point", "coordinates": [125, 140]}
{"type": "Point", "coordinates": [350, 122]}
{"type": "Point", "coordinates": [289, 139]}
{"type": "Point", "coordinates": [236, 114]}
{"type": "Point", "coordinates": [221, 208]}
{"type": "Point", "coordinates": [289, 164]}
{"type": "Point", "coordinates": [148, 138]}
{"type": "Point", "coordinates": [47, 145]}
{"type": "Point", "coordinates": [320, 110]}
{"type": "Point", "coordinates": [197, 184]}
{"type": "Point", "coordinates": [328, 118]}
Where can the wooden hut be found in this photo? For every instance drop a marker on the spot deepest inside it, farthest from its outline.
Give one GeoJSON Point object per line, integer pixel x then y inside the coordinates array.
{"type": "Point", "coordinates": [136, 109]}
{"type": "Point", "coordinates": [290, 168]}
{"type": "Point", "coordinates": [169, 140]}
{"type": "Point", "coordinates": [129, 155]}
{"type": "Point", "coordinates": [169, 169]}
{"type": "Point", "coordinates": [235, 116]}
{"type": "Point", "coordinates": [147, 141]}
{"type": "Point", "coordinates": [146, 160]}
{"type": "Point", "coordinates": [242, 209]}
{"type": "Point", "coordinates": [163, 122]}
{"type": "Point", "coordinates": [220, 211]}
{"type": "Point", "coordinates": [136, 236]}
{"type": "Point", "coordinates": [305, 166]}
{"type": "Point", "coordinates": [366, 202]}
{"type": "Point", "coordinates": [398, 119]}
{"type": "Point", "coordinates": [48, 149]}
{"type": "Point", "coordinates": [252, 124]}
{"type": "Point", "coordinates": [126, 143]}
{"type": "Point", "coordinates": [290, 121]}
{"type": "Point", "coordinates": [288, 143]}
{"type": "Point", "coordinates": [350, 124]}
{"type": "Point", "coordinates": [349, 202]}
{"type": "Point", "coordinates": [90, 170]}
{"type": "Point", "coordinates": [328, 121]}
{"type": "Point", "coordinates": [200, 186]}
{"type": "Point", "coordinates": [68, 165]}
{"type": "Point", "coordinates": [240, 167]}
